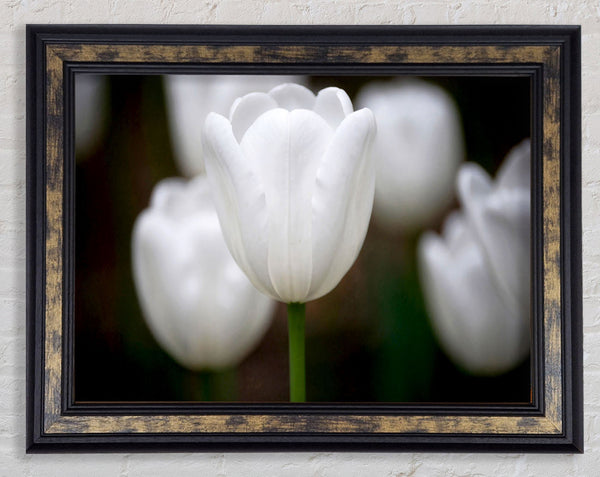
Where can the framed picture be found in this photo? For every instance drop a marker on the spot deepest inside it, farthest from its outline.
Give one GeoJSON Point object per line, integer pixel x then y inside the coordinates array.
{"type": "Point", "coordinates": [409, 197]}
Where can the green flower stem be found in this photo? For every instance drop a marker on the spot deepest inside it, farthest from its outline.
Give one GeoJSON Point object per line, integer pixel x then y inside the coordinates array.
{"type": "Point", "coordinates": [296, 315]}
{"type": "Point", "coordinates": [224, 385]}
{"type": "Point", "coordinates": [205, 392]}
{"type": "Point", "coordinates": [214, 385]}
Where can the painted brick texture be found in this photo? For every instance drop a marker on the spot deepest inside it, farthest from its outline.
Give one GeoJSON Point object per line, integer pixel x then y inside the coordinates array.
{"type": "Point", "coordinates": [14, 14]}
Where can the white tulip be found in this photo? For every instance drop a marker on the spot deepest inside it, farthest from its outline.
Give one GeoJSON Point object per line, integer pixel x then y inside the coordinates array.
{"type": "Point", "coordinates": [198, 304]}
{"type": "Point", "coordinates": [499, 213]}
{"type": "Point", "coordinates": [418, 149]}
{"type": "Point", "coordinates": [191, 97]}
{"type": "Point", "coordinates": [90, 95]}
{"type": "Point", "coordinates": [293, 185]}
{"type": "Point", "coordinates": [476, 276]}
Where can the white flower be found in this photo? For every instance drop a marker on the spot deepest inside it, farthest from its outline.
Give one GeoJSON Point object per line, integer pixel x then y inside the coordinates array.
{"type": "Point", "coordinates": [90, 92]}
{"type": "Point", "coordinates": [418, 148]}
{"type": "Point", "coordinates": [476, 276]}
{"type": "Point", "coordinates": [191, 97]}
{"type": "Point", "coordinates": [198, 304]}
{"type": "Point", "coordinates": [293, 186]}
{"type": "Point", "coordinates": [499, 213]}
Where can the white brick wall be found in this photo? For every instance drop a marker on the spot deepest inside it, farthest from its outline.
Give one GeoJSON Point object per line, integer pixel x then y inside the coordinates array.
{"type": "Point", "coordinates": [14, 14]}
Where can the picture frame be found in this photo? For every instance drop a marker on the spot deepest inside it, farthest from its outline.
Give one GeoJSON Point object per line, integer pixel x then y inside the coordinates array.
{"type": "Point", "coordinates": [548, 55]}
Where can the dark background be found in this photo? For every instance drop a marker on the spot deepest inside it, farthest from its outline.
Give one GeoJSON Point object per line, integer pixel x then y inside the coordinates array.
{"type": "Point", "coordinates": [367, 341]}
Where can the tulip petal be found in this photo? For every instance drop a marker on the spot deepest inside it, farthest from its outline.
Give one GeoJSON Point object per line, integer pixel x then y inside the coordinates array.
{"type": "Point", "coordinates": [190, 288]}
{"type": "Point", "coordinates": [89, 111]}
{"type": "Point", "coordinates": [501, 219]}
{"type": "Point", "coordinates": [285, 149]}
{"type": "Point", "coordinates": [292, 96]}
{"type": "Point", "coordinates": [471, 319]}
{"type": "Point", "coordinates": [342, 201]}
{"type": "Point", "coordinates": [240, 201]}
{"type": "Point", "coordinates": [154, 293]}
{"type": "Point", "coordinates": [473, 183]}
{"type": "Point", "coordinates": [333, 105]}
{"type": "Point", "coordinates": [191, 97]}
{"type": "Point", "coordinates": [240, 310]}
{"type": "Point", "coordinates": [186, 99]}
{"type": "Point", "coordinates": [246, 109]}
{"type": "Point", "coordinates": [515, 172]}
{"type": "Point", "coordinates": [417, 150]}
{"type": "Point", "coordinates": [169, 260]}
{"type": "Point", "coordinates": [164, 191]}
{"type": "Point", "coordinates": [279, 155]}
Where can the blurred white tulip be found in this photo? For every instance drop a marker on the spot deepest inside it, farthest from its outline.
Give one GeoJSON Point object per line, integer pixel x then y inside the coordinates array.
{"type": "Point", "coordinates": [198, 304]}
{"type": "Point", "coordinates": [476, 276]}
{"type": "Point", "coordinates": [191, 97]}
{"type": "Point", "coordinates": [293, 185]}
{"type": "Point", "coordinates": [90, 94]}
{"type": "Point", "coordinates": [499, 213]}
{"type": "Point", "coordinates": [418, 149]}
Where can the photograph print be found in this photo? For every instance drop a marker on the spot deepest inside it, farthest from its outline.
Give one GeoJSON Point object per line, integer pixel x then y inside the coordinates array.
{"type": "Point", "coordinates": [302, 238]}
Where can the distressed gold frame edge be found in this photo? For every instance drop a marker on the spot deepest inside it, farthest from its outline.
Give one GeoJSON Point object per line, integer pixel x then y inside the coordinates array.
{"type": "Point", "coordinates": [55, 423]}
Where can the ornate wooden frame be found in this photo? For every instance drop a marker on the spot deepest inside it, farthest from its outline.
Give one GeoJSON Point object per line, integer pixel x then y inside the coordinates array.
{"type": "Point", "coordinates": [549, 56]}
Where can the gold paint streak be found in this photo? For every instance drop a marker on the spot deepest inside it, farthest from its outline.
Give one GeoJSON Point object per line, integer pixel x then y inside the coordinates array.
{"type": "Point", "coordinates": [551, 233]}
{"type": "Point", "coordinates": [54, 423]}
{"type": "Point", "coordinates": [304, 423]}
{"type": "Point", "coordinates": [54, 238]}
{"type": "Point", "coordinates": [295, 53]}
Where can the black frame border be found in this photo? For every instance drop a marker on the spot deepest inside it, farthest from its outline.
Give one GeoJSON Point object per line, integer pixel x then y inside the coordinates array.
{"type": "Point", "coordinates": [565, 37]}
